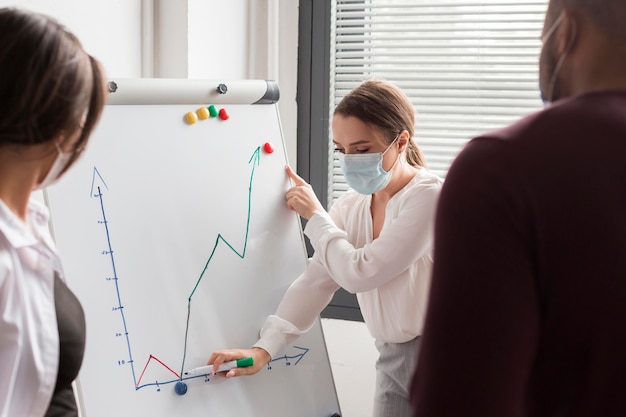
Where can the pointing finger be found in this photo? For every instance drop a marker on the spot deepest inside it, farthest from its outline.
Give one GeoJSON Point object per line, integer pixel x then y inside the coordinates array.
{"type": "Point", "coordinates": [295, 177]}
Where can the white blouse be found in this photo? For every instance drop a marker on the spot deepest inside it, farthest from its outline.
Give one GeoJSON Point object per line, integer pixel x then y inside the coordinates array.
{"type": "Point", "coordinates": [390, 275]}
{"type": "Point", "coordinates": [29, 338]}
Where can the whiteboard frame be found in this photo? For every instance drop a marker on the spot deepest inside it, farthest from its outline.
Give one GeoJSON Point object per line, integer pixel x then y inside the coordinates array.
{"type": "Point", "coordinates": [138, 91]}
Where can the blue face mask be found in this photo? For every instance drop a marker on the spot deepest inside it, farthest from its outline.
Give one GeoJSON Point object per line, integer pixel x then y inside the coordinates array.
{"type": "Point", "coordinates": [543, 97]}
{"type": "Point", "coordinates": [364, 172]}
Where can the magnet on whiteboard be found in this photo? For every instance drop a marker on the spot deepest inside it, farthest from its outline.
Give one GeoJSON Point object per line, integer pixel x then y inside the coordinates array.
{"type": "Point", "coordinates": [191, 117]}
{"type": "Point", "coordinates": [180, 388]}
{"type": "Point", "coordinates": [203, 113]}
{"type": "Point", "coordinates": [268, 147]}
{"type": "Point", "coordinates": [224, 115]}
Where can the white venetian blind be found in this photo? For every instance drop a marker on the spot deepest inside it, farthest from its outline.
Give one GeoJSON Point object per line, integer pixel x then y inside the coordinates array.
{"type": "Point", "coordinates": [468, 66]}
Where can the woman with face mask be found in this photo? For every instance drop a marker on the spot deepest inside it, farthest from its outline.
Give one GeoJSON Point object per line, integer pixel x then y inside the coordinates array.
{"type": "Point", "coordinates": [376, 242]}
{"type": "Point", "coordinates": [52, 93]}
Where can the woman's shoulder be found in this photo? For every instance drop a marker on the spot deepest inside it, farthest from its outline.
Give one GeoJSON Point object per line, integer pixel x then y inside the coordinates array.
{"type": "Point", "coordinates": [424, 181]}
{"type": "Point", "coordinates": [423, 190]}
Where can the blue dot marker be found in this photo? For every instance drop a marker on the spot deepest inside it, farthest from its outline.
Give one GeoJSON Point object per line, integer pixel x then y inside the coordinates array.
{"type": "Point", "coordinates": [180, 388]}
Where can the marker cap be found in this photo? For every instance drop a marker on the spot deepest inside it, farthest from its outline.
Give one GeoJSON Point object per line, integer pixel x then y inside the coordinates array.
{"type": "Point", "coordinates": [243, 362]}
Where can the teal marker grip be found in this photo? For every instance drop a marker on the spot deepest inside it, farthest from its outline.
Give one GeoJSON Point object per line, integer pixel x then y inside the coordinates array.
{"type": "Point", "coordinates": [245, 362]}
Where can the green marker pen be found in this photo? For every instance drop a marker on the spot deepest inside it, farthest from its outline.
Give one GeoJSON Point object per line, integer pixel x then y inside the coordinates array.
{"type": "Point", "coordinates": [208, 370]}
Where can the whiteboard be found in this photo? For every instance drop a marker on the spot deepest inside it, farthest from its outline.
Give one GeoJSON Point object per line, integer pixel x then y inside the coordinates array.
{"type": "Point", "coordinates": [177, 241]}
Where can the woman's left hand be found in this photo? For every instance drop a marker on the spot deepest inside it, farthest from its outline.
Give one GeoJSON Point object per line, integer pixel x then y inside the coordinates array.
{"type": "Point", "coordinates": [259, 356]}
{"type": "Point", "coordinates": [301, 197]}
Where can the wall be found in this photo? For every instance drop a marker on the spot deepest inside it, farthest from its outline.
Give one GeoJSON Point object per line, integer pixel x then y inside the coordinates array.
{"type": "Point", "coordinates": [210, 39]}
{"type": "Point", "coordinates": [120, 50]}
{"type": "Point", "coordinates": [91, 21]}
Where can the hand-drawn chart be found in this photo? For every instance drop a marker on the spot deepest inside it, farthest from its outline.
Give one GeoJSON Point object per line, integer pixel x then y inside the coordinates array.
{"type": "Point", "coordinates": [177, 241]}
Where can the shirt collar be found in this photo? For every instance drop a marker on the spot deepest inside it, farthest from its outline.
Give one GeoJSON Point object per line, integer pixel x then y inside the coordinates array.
{"type": "Point", "coordinates": [16, 231]}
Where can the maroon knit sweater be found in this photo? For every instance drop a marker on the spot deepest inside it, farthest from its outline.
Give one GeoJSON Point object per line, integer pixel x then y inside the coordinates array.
{"type": "Point", "coordinates": [527, 315]}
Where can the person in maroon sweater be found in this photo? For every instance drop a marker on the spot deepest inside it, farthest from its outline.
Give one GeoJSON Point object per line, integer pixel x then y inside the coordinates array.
{"type": "Point", "coordinates": [527, 310]}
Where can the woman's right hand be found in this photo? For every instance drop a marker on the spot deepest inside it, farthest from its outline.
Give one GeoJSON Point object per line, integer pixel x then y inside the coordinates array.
{"type": "Point", "coordinates": [301, 198]}
{"type": "Point", "coordinates": [259, 355]}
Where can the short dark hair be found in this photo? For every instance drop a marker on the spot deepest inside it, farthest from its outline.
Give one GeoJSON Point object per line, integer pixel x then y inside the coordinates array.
{"type": "Point", "coordinates": [49, 85]}
{"type": "Point", "coordinates": [608, 15]}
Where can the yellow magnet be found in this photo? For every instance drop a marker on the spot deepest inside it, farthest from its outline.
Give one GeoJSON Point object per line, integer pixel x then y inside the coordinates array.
{"type": "Point", "coordinates": [203, 113]}
{"type": "Point", "coordinates": [191, 117]}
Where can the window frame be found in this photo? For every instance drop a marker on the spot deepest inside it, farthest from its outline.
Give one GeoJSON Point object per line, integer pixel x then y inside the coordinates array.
{"type": "Point", "coordinates": [313, 100]}
{"type": "Point", "coordinates": [316, 163]}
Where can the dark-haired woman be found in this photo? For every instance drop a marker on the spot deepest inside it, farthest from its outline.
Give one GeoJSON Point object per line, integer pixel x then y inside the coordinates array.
{"type": "Point", "coordinates": [376, 241]}
{"type": "Point", "coordinates": [51, 96]}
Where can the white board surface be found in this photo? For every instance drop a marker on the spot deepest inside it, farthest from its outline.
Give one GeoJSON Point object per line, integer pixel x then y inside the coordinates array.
{"type": "Point", "coordinates": [177, 241]}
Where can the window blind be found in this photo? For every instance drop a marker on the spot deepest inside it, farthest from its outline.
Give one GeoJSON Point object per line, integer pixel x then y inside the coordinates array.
{"type": "Point", "coordinates": [468, 66]}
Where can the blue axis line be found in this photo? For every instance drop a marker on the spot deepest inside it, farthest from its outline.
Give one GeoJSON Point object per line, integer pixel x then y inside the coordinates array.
{"type": "Point", "coordinates": [287, 358]}
{"type": "Point", "coordinates": [171, 381]}
{"type": "Point", "coordinates": [120, 307]}
{"type": "Point", "coordinates": [255, 160]}
{"type": "Point", "coordinates": [207, 377]}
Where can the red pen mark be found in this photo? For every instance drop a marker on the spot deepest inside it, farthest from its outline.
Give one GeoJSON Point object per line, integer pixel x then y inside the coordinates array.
{"type": "Point", "coordinates": [146, 367]}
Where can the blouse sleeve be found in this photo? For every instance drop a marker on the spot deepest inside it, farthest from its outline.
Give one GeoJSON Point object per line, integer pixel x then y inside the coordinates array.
{"type": "Point", "coordinates": [9, 350]}
{"type": "Point", "coordinates": [407, 238]}
{"type": "Point", "coordinates": [302, 303]}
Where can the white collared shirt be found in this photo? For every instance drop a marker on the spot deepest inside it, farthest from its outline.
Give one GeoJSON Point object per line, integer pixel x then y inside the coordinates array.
{"type": "Point", "coordinates": [390, 275]}
{"type": "Point", "coordinates": [29, 338]}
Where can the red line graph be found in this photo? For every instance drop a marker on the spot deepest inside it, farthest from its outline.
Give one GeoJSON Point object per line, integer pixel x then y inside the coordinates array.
{"type": "Point", "coordinates": [146, 367]}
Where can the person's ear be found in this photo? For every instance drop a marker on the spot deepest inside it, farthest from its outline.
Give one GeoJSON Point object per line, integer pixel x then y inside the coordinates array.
{"type": "Point", "coordinates": [566, 33]}
{"type": "Point", "coordinates": [403, 140]}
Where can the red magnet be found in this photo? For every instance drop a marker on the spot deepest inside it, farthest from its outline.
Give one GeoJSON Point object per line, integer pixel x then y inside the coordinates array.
{"type": "Point", "coordinates": [224, 115]}
{"type": "Point", "coordinates": [268, 147]}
